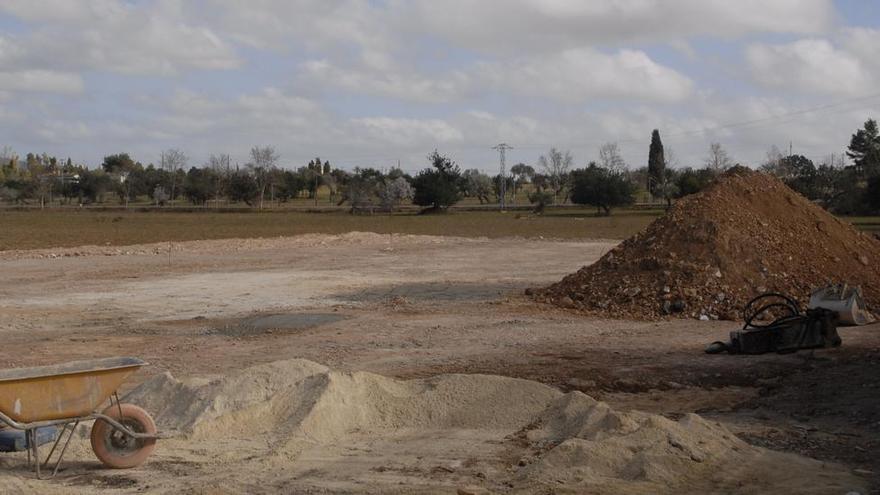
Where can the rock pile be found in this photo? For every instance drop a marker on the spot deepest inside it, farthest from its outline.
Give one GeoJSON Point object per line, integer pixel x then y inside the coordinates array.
{"type": "Point", "coordinates": [746, 234]}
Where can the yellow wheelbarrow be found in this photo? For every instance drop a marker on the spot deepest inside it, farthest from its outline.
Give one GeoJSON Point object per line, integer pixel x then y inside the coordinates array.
{"type": "Point", "coordinates": [65, 395]}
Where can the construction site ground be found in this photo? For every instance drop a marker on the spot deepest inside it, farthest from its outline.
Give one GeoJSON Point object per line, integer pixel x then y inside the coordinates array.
{"type": "Point", "coordinates": [413, 307]}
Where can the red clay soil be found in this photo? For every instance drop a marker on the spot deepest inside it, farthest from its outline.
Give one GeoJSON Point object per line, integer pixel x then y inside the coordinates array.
{"type": "Point", "coordinates": [748, 233]}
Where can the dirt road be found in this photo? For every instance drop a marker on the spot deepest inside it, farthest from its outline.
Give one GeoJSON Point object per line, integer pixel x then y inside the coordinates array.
{"type": "Point", "coordinates": [414, 307]}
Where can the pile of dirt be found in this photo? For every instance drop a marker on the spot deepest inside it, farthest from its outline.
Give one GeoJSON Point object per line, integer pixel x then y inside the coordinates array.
{"type": "Point", "coordinates": [531, 437]}
{"type": "Point", "coordinates": [746, 234]}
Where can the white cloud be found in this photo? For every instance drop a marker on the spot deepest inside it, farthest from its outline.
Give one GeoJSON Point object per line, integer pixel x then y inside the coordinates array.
{"type": "Point", "coordinates": [572, 76]}
{"type": "Point", "coordinates": [109, 35]}
{"type": "Point", "coordinates": [809, 65]}
{"type": "Point", "coordinates": [45, 81]}
{"type": "Point", "coordinates": [317, 24]}
{"type": "Point", "coordinates": [577, 75]}
{"type": "Point", "coordinates": [62, 132]}
{"type": "Point", "coordinates": [395, 82]}
{"type": "Point", "coordinates": [862, 43]}
{"type": "Point", "coordinates": [507, 25]}
{"type": "Point", "coordinates": [404, 132]}
{"type": "Point", "coordinates": [62, 11]}
{"type": "Point", "coordinates": [532, 25]}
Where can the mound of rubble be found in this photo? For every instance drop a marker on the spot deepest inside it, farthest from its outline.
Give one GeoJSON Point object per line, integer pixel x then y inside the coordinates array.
{"type": "Point", "coordinates": [748, 233]}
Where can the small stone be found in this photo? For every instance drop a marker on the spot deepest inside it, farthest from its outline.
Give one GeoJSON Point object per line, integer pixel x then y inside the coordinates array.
{"type": "Point", "coordinates": [864, 260]}
{"type": "Point", "coordinates": [704, 317]}
{"type": "Point", "coordinates": [632, 292]}
{"type": "Point", "coordinates": [667, 289]}
{"type": "Point", "coordinates": [529, 291]}
{"type": "Point", "coordinates": [717, 273]}
{"type": "Point", "coordinates": [566, 302]}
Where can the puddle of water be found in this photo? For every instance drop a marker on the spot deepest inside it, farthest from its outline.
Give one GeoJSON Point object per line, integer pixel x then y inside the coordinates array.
{"type": "Point", "coordinates": [279, 323]}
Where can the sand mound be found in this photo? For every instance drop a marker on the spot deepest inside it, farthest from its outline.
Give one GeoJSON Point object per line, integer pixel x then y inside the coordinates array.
{"type": "Point", "coordinates": [308, 400]}
{"type": "Point", "coordinates": [572, 441]}
{"type": "Point", "coordinates": [597, 446]}
{"type": "Point", "coordinates": [712, 252]}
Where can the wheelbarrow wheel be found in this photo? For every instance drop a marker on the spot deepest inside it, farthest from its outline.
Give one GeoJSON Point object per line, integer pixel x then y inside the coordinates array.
{"type": "Point", "coordinates": [116, 449]}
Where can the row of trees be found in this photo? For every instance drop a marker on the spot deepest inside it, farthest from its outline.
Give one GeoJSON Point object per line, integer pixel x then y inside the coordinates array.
{"type": "Point", "coordinates": [44, 179]}
{"type": "Point", "coordinates": [841, 188]}
{"type": "Point", "coordinates": [604, 183]}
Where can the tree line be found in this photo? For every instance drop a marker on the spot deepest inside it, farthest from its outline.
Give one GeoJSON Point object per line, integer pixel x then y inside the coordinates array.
{"type": "Point", "coordinates": [604, 183]}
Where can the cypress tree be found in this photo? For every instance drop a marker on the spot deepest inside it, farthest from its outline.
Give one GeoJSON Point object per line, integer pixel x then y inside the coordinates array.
{"type": "Point", "coordinates": [656, 162]}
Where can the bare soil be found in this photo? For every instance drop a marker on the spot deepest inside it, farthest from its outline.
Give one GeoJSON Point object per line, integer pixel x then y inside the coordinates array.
{"type": "Point", "coordinates": [409, 307]}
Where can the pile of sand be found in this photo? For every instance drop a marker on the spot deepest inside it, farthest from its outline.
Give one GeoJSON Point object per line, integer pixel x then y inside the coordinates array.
{"type": "Point", "coordinates": [304, 399]}
{"type": "Point", "coordinates": [746, 234]}
{"type": "Point", "coordinates": [551, 440]}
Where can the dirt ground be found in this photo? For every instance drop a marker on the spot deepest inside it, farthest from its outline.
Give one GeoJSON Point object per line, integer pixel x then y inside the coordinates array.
{"type": "Point", "coordinates": [409, 307]}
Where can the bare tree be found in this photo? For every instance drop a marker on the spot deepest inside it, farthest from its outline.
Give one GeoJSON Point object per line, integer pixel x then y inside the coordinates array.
{"type": "Point", "coordinates": [609, 157]}
{"type": "Point", "coordinates": [556, 165]}
{"type": "Point", "coordinates": [7, 155]}
{"type": "Point", "coordinates": [718, 160]}
{"type": "Point", "coordinates": [172, 160]}
{"type": "Point", "coordinates": [265, 157]}
{"type": "Point", "coordinates": [671, 158]}
{"type": "Point", "coordinates": [222, 166]}
{"type": "Point", "coordinates": [393, 193]}
{"type": "Point", "coordinates": [264, 160]}
{"type": "Point", "coordinates": [775, 164]}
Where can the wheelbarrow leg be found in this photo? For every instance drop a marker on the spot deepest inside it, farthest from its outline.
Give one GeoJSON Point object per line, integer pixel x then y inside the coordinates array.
{"type": "Point", "coordinates": [63, 449]}
{"type": "Point", "coordinates": [31, 436]}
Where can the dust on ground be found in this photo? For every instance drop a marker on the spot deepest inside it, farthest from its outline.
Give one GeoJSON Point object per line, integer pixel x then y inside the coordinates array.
{"type": "Point", "coordinates": [413, 308]}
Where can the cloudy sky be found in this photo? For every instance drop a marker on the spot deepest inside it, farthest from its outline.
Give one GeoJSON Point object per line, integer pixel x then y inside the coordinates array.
{"type": "Point", "coordinates": [371, 82]}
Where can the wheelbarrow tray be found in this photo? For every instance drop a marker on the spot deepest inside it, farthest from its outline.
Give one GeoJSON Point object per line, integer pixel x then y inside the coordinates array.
{"type": "Point", "coordinates": [70, 390]}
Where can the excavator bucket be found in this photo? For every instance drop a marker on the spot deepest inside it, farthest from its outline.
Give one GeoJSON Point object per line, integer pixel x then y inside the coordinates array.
{"type": "Point", "coordinates": [846, 301]}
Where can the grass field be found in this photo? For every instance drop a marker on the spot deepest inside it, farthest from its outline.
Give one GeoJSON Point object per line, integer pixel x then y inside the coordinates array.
{"type": "Point", "coordinates": [32, 229]}
{"type": "Point", "coordinates": [65, 228]}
